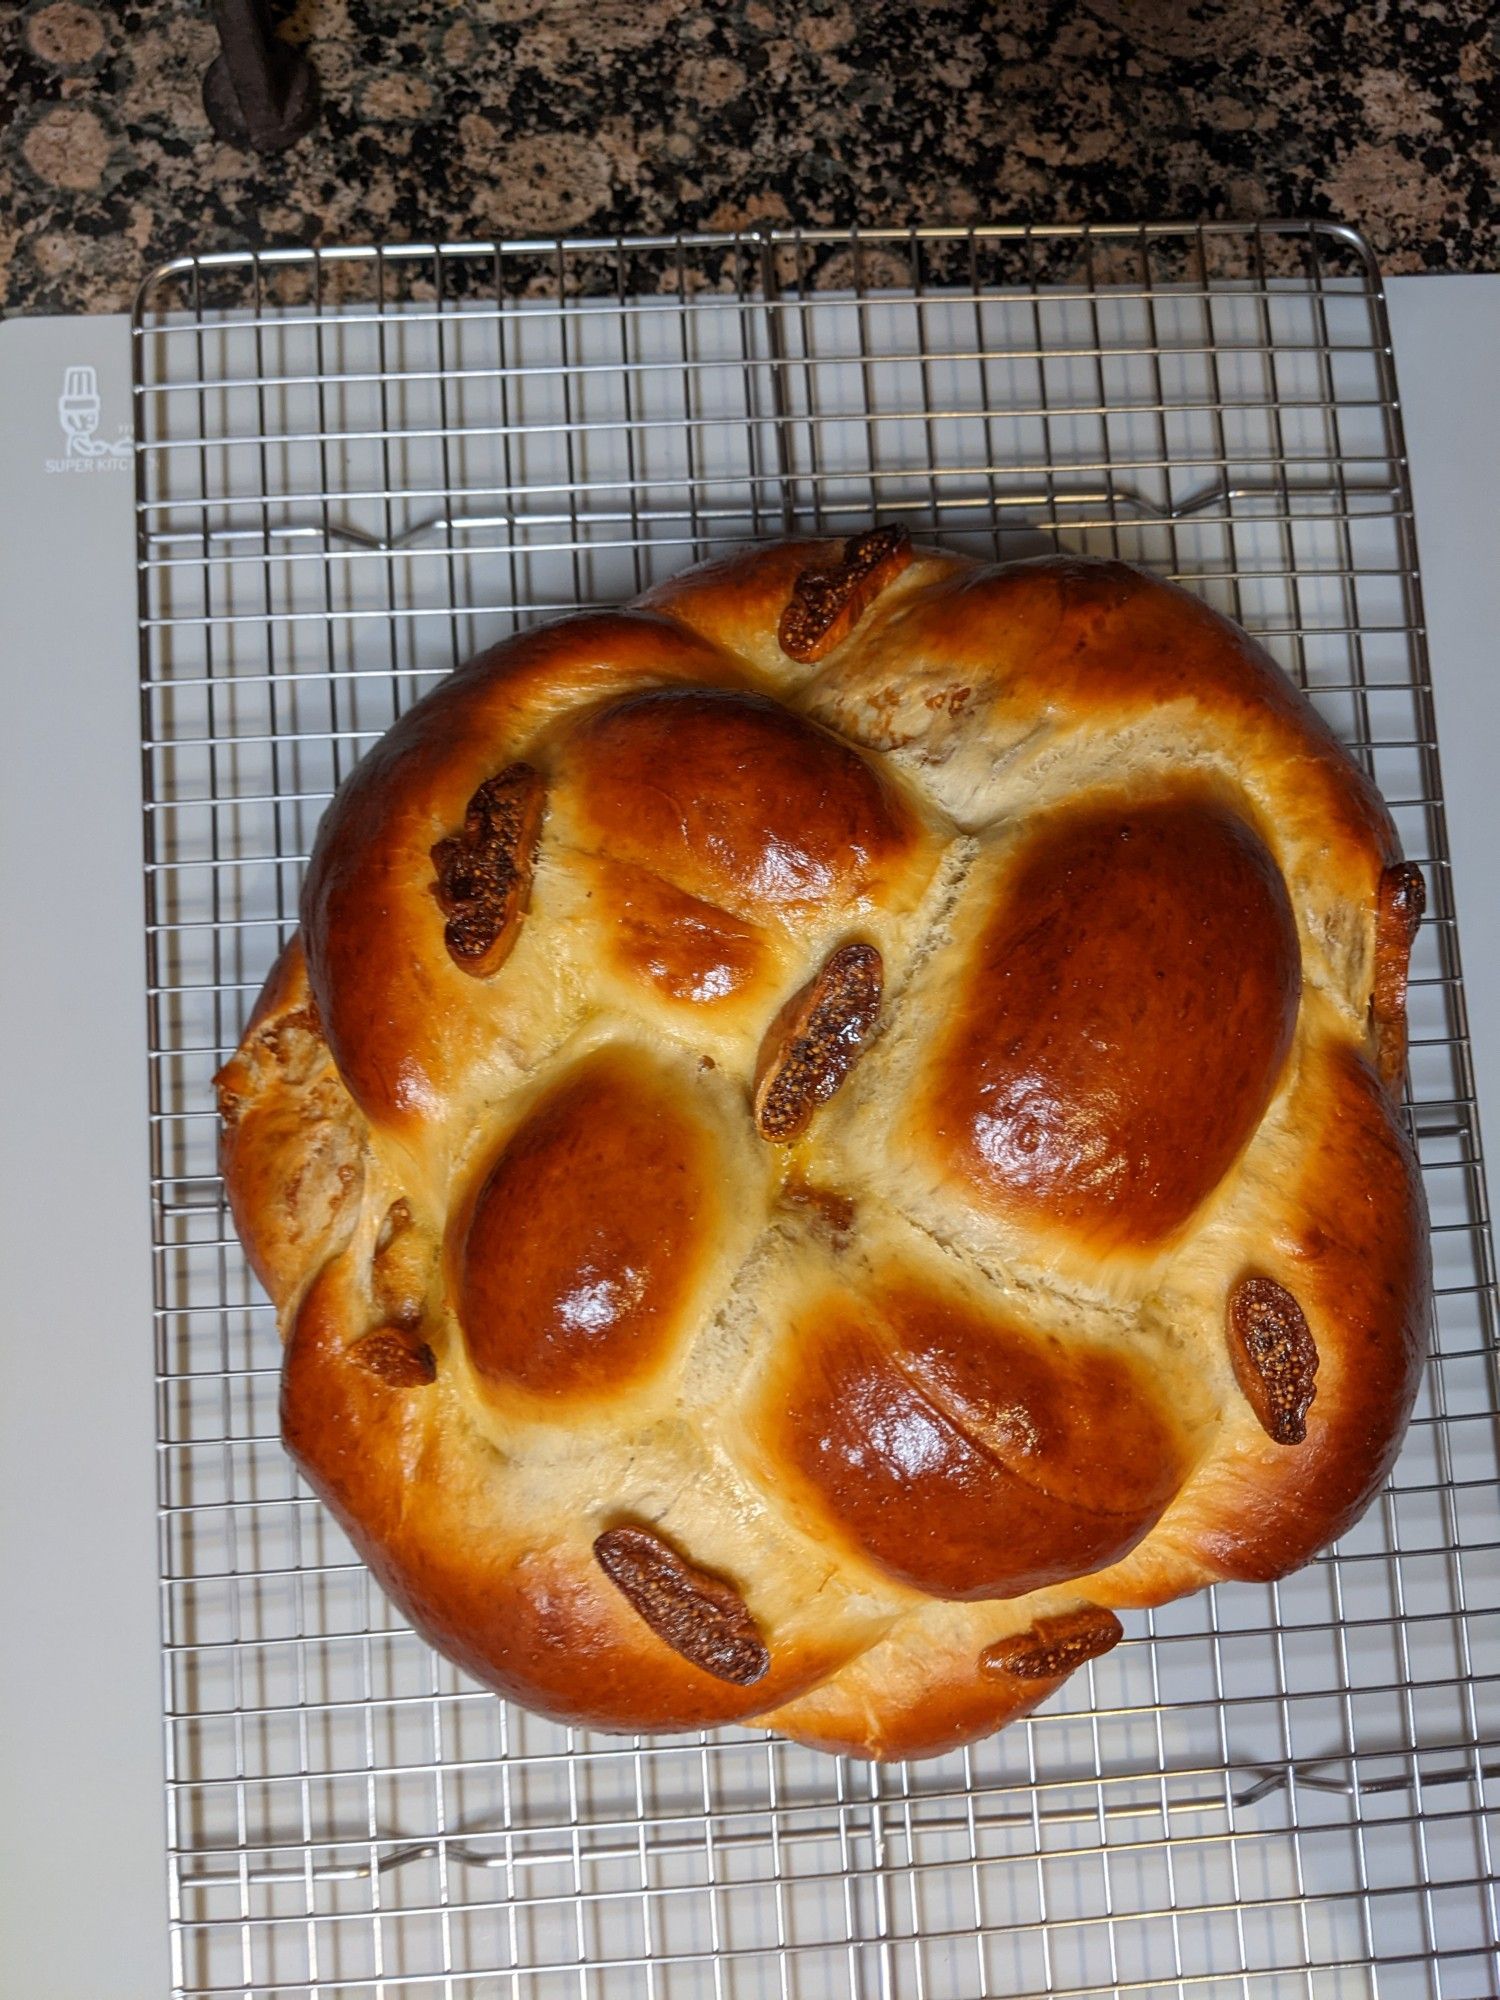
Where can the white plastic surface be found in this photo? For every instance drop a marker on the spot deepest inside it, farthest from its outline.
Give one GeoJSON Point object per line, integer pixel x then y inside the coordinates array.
{"type": "Point", "coordinates": [82, 1876]}
{"type": "Point", "coordinates": [1446, 333]}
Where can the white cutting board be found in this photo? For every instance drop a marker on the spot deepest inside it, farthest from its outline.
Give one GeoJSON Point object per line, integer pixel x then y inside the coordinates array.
{"type": "Point", "coordinates": [82, 1873]}
{"type": "Point", "coordinates": [82, 1883]}
{"type": "Point", "coordinates": [1446, 333]}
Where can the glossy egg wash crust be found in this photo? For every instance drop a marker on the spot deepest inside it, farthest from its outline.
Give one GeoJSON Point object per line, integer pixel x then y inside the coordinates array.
{"type": "Point", "coordinates": [828, 1131]}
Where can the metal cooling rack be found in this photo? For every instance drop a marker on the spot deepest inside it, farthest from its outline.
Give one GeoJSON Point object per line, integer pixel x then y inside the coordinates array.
{"type": "Point", "coordinates": [353, 469]}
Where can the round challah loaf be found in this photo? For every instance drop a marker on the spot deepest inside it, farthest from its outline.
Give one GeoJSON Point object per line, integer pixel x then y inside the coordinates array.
{"type": "Point", "coordinates": [826, 1131]}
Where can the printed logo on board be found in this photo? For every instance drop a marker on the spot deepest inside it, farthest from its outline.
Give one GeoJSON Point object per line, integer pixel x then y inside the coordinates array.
{"type": "Point", "coordinates": [80, 413]}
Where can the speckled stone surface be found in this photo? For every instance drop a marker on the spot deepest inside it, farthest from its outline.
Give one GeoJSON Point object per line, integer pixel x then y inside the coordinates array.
{"type": "Point", "coordinates": [478, 118]}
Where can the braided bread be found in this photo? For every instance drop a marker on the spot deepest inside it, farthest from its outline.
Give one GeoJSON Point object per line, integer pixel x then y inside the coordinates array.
{"type": "Point", "coordinates": [827, 1131]}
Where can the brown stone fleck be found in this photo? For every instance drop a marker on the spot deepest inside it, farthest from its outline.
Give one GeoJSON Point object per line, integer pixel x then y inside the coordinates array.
{"type": "Point", "coordinates": [69, 148]}
{"type": "Point", "coordinates": [712, 80]}
{"type": "Point", "coordinates": [542, 181]}
{"type": "Point", "coordinates": [54, 253]}
{"type": "Point", "coordinates": [65, 34]}
{"type": "Point", "coordinates": [458, 44]}
{"type": "Point", "coordinates": [1204, 31]}
{"type": "Point", "coordinates": [396, 99]}
{"type": "Point", "coordinates": [877, 269]}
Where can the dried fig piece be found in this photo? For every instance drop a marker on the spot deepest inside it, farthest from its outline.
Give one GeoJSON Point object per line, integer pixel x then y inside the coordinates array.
{"type": "Point", "coordinates": [401, 1266]}
{"type": "Point", "coordinates": [484, 872]}
{"type": "Point", "coordinates": [1398, 911]}
{"type": "Point", "coordinates": [698, 1615]}
{"type": "Point", "coordinates": [812, 1044]}
{"type": "Point", "coordinates": [1054, 1646]}
{"type": "Point", "coordinates": [1275, 1357]}
{"type": "Point", "coordinates": [396, 1356]}
{"type": "Point", "coordinates": [826, 604]}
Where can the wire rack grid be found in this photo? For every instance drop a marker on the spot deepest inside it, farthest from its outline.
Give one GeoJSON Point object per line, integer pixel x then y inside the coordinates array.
{"type": "Point", "coordinates": [355, 467]}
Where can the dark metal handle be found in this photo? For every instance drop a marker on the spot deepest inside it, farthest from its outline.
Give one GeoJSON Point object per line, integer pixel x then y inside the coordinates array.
{"type": "Point", "coordinates": [258, 92]}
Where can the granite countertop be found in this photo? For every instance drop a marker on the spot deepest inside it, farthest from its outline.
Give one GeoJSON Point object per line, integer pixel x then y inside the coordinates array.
{"type": "Point", "coordinates": [483, 118]}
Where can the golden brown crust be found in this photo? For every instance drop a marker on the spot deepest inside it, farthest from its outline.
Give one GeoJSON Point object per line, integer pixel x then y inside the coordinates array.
{"type": "Point", "coordinates": [573, 1264]}
{"type": "Point", "coordinates": [1348, 1226]}
{"type": "Point", "coordinates": [1102, 1273]}
{"type": "Point", "coordinates": [1127, 1018]}
{"type": "Point", "coordinates": [684, 948]}
{"type": "Point", "coordinates": [1352, 1230]}
{"type": "Point", "coordinates": [290, 1148]}
{"type": "Point", "coordinates": [963, 1456]}
{"type": "Point", "coordinates": [991, 654]}
{"type": "Point", "coordinates": [733, 798]}
{"type": "Point", "coordinates": [528, 1613]}
{"type": "Point", "coordinates": [404, 1025]}
{"type": "Point", "coordinates": [918, 1693]}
